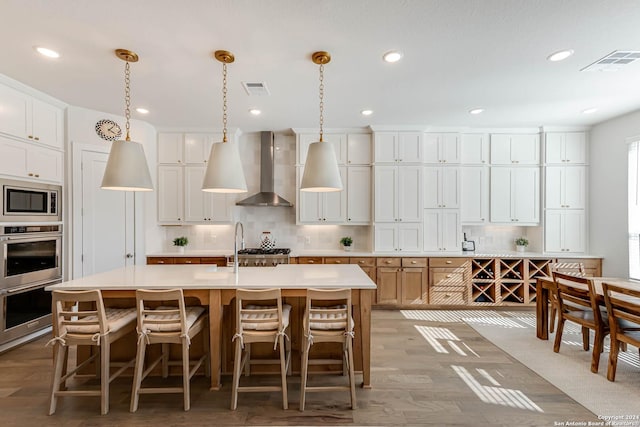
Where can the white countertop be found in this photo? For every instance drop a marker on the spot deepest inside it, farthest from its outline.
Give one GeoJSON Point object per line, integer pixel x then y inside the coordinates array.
{"type": "Point", "coordinates": [291, 276]}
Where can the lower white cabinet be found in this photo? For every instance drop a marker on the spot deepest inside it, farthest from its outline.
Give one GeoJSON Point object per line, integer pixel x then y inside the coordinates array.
{"type": "Point", "coordinates": [25, 160]}
{"type": "Point", "coordinates": [474, 195]}
{"type": "Point", "coordinates": [515, 195]}
{"type": "Point", "coordinates": [441, 230]}
{"type": "Point", "coordinates": [398, 237]}
{"type": "Point", "coordinates": [564, 231]}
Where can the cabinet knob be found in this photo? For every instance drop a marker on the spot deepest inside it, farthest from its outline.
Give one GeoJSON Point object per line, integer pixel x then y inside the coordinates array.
{"type": "Point", "coordinates": [311, 261]}
{"type": "Point", "coordinates": [361, 262]}
{"type": "Point", "coordinates": [413, 262]}
{"type": "Point", "coordinates": [187, 262]}
{"type": "Point", "coordinates": [30, 136]}
{"type": "Point", "coordinates": [178, 219]}
{"type": "Point", "coordinates": [348, 219]}
{"type": "Point", "coordinates": [36, 138]}
{"type": "Point", "coordinates": [448, 276]}
{"type": "Point", "coordinates": [448, 262]}
{"type": "Point", "coordinates": [30, 174]}
{"type": "Point", "coordinates": [338, 262]}
{"type": "Point", "coordinates": [129, 255]}
{"type": "Point", "coordinates": [37, 176]}
{"type": "Point", "coordinates": [160, 262]}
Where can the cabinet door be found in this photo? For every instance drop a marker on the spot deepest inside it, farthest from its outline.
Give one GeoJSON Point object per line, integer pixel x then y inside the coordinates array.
{"type": "Point", "coordinates": [170, 148]}
{"type": "Point", "coordinates": [47, 124]}
{"type": "Point", "coordinates": [410, 237]}
{"type": "Point", "coordinates": [500, 194]}
{"type": "Point", "coordinates": [385, 147]}
{"type": "Point", "coordinates": [575, 148]}
{"type": "Point", "coordinates": [431, 148]}
{"type": "Point", "coordinates": [309, 204]}
{"type": "Point", "coordinates": [449, 190]}
{"type": "Point", "coordinates": [474, 149]}
{"type": "Point", "coordinates": [525, 194]}
{"type": "Point", "coordinates": [197, 147]}
{"type": "Point", "coordinates": [450, 148]}
{"type": "Point", "coordinates": [194, 197]}
{"type": "Point", "coordinates": [474, 198]}
{"type": "Point", "coordinates": [554, 148]}
{"type": "Point", "coordinates": [386, 197]}
{"type": "Point", "coordinates": [218, 207]}
{"type": "Point", "coordinates": [13, 160]}
{"type": "Point", "coordinates": [410, 193]}
{"type": "Point", "coordinates": [385, 237]}
{"type": "Point", "coordinates": [14, 106]}
{"type": "Point", "coordinates": [525, 149]}
{"type": "Point", "coordinates": [414, 286]}
{"type": "Point", "coordinates": [358, 195]}
{"type": "Point", "coordinates": [450, 230]}
{"type": "Point", "coordinates": [359, 149]}
{"type": "Point", "coordinates": [573, 231]}
{"type": "Point", "coordinates": [388, 283]}
{"type": "Point", "coordinates": [334, 203]}
{"type": "Point", "coordinates": [170, 194]}
{"type": "Point", "coordinates": [575, 187]}
{"type": "Point", "coordinates": [500, 149]}
{"type": "Point", "coordinates": [554, 187]}
{"type": "Point", "coordinates": [553, 231]}
{"type": "Point", "coordinates": [431, 231]}
{"type": "Point", "coordinates": [339, 141]}
{"type": "Point", "coordinates": [410, 147]}
{"type": "Point", "coordinates": [432, 186]}
{"type": "Point", "coordinates": [44, 164]}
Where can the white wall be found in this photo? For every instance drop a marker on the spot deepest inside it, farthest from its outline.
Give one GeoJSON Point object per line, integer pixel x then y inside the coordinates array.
{"type": "Point", "coordinates": [608, 195]}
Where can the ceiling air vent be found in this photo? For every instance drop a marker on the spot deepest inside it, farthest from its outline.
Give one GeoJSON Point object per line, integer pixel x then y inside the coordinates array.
{"type": "Point", "coordinates": [614, 61]}
{"type": "Point", "coordinates": [256, 88]}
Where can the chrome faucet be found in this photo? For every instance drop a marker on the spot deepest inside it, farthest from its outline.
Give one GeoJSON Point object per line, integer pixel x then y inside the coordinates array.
{"type": "Point", "coordinates": [235, 245]}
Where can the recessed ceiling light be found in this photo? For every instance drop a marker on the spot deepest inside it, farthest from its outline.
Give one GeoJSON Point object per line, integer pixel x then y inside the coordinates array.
{"type": "Point", "coordinates": [366, 112]}
{"type": "Point", "coordinates": [476, 111]}
{"type": "Point", "coordinates": [392, 56]}
{"type": "Point", "coordinates": [142, 110]}
{"type": "Point", "coordinates": [255, 111]}
{"type": "Point", "coordinates": [589, 110]}
{"type": "Point", "coordinates": [560, 55]}
{"type": "Point", "coordinates": [47, 52]}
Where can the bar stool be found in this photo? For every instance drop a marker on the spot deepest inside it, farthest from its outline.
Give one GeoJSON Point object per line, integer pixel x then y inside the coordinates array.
{"type": "Point", "coordinates": [328, 323]}
{"type": "Point", "coordinates": [170, 323]}
{"type": "Point", "coordinates": [260, 317]}
{"type": "Point", "coordinates": [89, 324]}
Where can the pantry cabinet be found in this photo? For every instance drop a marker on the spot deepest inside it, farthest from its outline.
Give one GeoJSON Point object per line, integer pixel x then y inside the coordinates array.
{"type": "Point", "coordinates": [474, 195]}
{"type": "Point", "coordinates": [515, 195]}
{"type": "Point", "coordinates": [442, 148]}
{"type": "Point", "coordinates": [358, 189]}
{"type": "Point", "coordinates": [474, 148]}
{"type": "Point", "coordinates": [515, 149]}
{"type": "Point", "coordinates": [441, 187]}
{"type": "Point", "coordinates": [563, 148]}
{"type": "Point", "coordinates": [170, 194]}
{"type": "Point", "coordinates": [170, 148]}
{"type": "Point", "coordinates": [565, 231]}
{"type": "Point", "coordinates": [359, 149]}
{"type": "Point", "coordinates": [197, 146]}
{"type": "Point", "coordinates": [565, 187]}
{"type": "Point", "coordinates": [398, 147]}
{"type": "Point", "coordinates": [398, 194]}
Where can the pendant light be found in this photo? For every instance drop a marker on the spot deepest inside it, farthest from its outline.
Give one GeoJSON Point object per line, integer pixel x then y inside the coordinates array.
{"type": "Point", "coordinates": [127, 168]}
{"type": "Point", "coordinates": [321, 173]}
{"type": "Point", "coordinates": [224, 172]}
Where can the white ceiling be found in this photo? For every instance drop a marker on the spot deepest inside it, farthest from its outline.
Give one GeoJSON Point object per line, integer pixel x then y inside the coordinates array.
{"type": "Point", "coordinates": [458, 55]}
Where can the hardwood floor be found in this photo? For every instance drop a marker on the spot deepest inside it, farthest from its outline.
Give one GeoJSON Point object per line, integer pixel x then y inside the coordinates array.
{"type": "Point", "coordinates": [424, 372]}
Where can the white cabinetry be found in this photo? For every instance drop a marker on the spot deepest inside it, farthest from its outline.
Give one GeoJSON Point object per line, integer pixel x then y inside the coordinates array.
{"type": "Point", "coordinates": [398, 237]}
{"type": "Point", "coordinates": [564, 230]}
{"type": "Point", "coordinates": [441, 148]}
{"type": "Point", "coordinates": [515, 195]}
{"type": "Point", "coordinates": [197, 146]}
{"type": "Point", "coordinates": [565, 187]}
{"type": "Point", "coordinates": [565, 148]}
{"type": "Point", "coordinates": [510, 149]}
{"type": "Point", "coordinates": [441, 230]}
{"type": "Point", "coordinates": [474, 149]}
{"type": "Point", "coordinates": [441, 187]}
{"type": "Point", "coordinates": [322, 208]}
{"type": "Point", "coordinates": [474, 191]}
{"type": "Point", "coordinates": [396, 147]}
{"type": "Point", "coordinates": [338, 140]}
{"type": "Point", "coordinates": [170, 194]}
{"type": "Point", "coordinates": [358, 195]}
{"type": "Point", "coordinates": [203, 206]}
{"type": "Point", "coordinates": [398, 194]}
{"type": "Point", "coordinates": [170, 148]}
{"type": "Point", "coordinates": [30, 118]}
{"type": "Point", "coordinates": [30, 161]}
{"type": "Point", "coordinates": [359, 149]}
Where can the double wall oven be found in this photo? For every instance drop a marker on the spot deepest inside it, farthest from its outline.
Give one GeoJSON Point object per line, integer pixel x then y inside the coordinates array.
{"type": "Point", "coordinates": [30, 256]}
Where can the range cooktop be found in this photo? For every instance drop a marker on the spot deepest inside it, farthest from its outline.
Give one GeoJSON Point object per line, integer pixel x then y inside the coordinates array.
{"type": "Point", "coordinates": [258, 251]}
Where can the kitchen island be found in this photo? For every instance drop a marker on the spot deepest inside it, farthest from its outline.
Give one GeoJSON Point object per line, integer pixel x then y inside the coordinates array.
{"type": "Point", "coordinates": [215, 287]}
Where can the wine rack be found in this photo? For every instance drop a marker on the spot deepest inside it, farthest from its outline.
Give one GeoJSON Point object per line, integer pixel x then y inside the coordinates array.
{"type": "Point", "coordinates": [536, 268]}
{"type": "Point", "coordinates": [483, 281]}
{"type": "Point", "coordinates": [512, 283]}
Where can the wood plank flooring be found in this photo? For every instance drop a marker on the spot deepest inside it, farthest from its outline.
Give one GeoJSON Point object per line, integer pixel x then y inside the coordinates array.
{"type": "Point", "coordinates": [424, 372]}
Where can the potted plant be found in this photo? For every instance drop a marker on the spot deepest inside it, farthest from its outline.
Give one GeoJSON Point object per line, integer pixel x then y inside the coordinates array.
{"type": "Point", "coordinates": [521, 244]}
{"type": "Point", "coordinates": [346, 243]}
{"type": "Point", "coordinates": [180, 242]}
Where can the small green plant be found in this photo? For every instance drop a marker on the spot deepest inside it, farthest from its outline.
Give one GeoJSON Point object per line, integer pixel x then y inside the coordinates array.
{"type": "Point", "coordinates": [180, 241]}
{"type": "Point", "coordinates": [346, 241]}
{"type": "Point", "coordinates": [522, 241]}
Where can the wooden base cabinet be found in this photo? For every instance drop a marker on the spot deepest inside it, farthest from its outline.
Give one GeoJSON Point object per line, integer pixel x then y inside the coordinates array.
{"type": "Point", "coordinates": [448, 281]}
{"type": "Point", "coordinates": [402, 281]}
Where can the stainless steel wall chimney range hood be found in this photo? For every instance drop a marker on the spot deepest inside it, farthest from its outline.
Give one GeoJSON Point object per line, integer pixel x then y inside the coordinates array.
{"type": "Point", "coordinates": [266, 196]}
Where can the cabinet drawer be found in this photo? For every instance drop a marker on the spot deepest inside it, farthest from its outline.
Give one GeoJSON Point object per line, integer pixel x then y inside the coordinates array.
{"type": "Point", "coordinates": [336, 260]}
{"type": "Point", "coordinates": [447, 277]}
{"type": "Point", "coordinates": [187, 260]}
{"type": "Point", "coordinates": [309, 260]}
{"type": "Point", "coordinates": [389, 262]}
{"type": "Point", "coordinates": [219, 261]}
{"type": "Point", "coordinates": [160, 260]}
{"type": "Point", "coordinates": [414, 262]}
{"type": "Point", "coordinates": [447, 298]}
{"type": "Point", "coordinates": [363, 262]}
{"type": "Point", "coordinates": [447, 262]}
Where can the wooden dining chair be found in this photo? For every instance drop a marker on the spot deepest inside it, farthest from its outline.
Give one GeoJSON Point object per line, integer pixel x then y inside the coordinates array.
{"type": "Point", "coordinates": [261, 317]}
{"type": "Point", "coordinates": [324, 321]}
{"type": "Point", "coordinates": [577, 303]}
{"type": "Point", "coordinates": [572, 268]}
{"type": "Point", "coordinates": [623, 308]}
{"type": "Point", "coordinates": [81, 319]}
{"type": "Point", "coordinates": [170, 323]}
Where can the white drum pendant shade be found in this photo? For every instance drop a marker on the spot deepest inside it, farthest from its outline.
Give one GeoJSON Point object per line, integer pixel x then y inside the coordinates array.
{"type": "Point", "coordinates": [127, 168]}
{"type": "Point", "coordinates": [224, 170]}
{"type": "Point", "coordinates": [321, 173]}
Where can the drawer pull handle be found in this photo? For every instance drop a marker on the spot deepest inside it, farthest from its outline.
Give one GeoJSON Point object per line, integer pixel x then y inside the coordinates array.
{"type": "Point", "coordinates": [338, 262]}
{"type": "Point", "coordinates": [413, 262]}
{"type": "Point", "coordinates": [311, 261]}
{"type": "Point", "coordinates": [448, 262]}
{"type": "Point", "coordinates": [187, 262]}
{"type": "Point", "coordinates": [160, 262]}
{"type": "Point", "coordinates": [388, 262]}
{"type": "Point", "coordinates": [448, 276]}
{"type": "Point", "coordinates": [361, 261]}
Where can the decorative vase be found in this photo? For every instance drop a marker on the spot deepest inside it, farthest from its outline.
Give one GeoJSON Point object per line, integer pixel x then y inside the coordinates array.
{"type": "Point", "coordinates": [347, 248]}
{"type": "Point", "coordinates": [267, 241]}
{"type": "Point", "coordinates": [520, 248]}
{"type": "Point", "coordinates": [180, 249]}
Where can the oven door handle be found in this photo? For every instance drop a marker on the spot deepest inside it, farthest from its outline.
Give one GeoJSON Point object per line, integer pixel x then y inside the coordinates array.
{"type": "Point", "coordinates": [32, 238]}
{"type": "Point", "coordinates": [24, 288]}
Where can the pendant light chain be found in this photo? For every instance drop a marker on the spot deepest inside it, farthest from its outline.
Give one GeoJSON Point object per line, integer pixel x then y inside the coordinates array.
{"type": "Point", "coordinates": [127, 97]}
{"type": "Point", "coordinates": [224, 102]}
{"type": "Point", "coordinates": [321, 99]}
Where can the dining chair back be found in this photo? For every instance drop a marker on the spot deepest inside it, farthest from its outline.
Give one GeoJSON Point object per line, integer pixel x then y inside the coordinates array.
{"type": "Point", "coordinates": [572, 268]}
{"type": "Point", "coordinates": [623, 308]}
{"type": "Point", "coordinates": [577, 302]}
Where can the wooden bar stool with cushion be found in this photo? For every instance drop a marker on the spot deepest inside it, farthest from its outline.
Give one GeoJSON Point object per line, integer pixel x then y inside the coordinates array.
{"type": "Point", "coordinates": [623, 308]}
{"type": "Point", "coordinates": [577, 302]}
{"type": "Point", "coordinates": [328, 323]}
{"type": "Point", "coordinates": [80, 318]}
{"type": "Point", "coordinates": [170, 323]}
{"type": "Point", "coordinates": [260, 317]}
{"type": "Point", "coordinates": [572, 268]}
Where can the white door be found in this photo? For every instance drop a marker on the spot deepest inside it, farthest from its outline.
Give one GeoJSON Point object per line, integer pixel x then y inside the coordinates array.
{"type": "Point", "coordinates": [474, 189]}
{"type": "Point", "coordinates": [432, 148]}
{"type": "Point", "coordinates": [525, 194]}
{"type": "Point", "coordinates": [554, 187]}
{"type": "Point", "coordinates": [385, 237]}
{"type": "Point", "coordinates": [525, 149]}
{"type": "Point", "coordinates": [410, 193]}
{"type": "Point", "coordinates": [309, 203]}
{"type": "Point", "coordinates": [450, 230]}
{"type": "Point", "coordinates": [575, 187]}
{"type": "Point", "coordinates": [385, 147]}
{"type": "Point", "coordinates": [450, 148]}
{"type": "Point", "coordinates": [575, 147]}
{"type": "Point", "coordinates": [500, 194]}
{"type": "Point", "coordinates": [334, 203]}
{"type": "Point", "coordinates": [107, 220]}
{"type": "Point", "coordinates": [574, 231]}
{"type": "Point", "coordinates": [474, 149]}
{"type": "Point", "coordinates": [47, 123]}
{"type": "Point", "coordinates": [359, 149]}
{"type": "Point", "coordinates": [553, 231]}
{"type": "Point", "coordinates": [194, 198]}
{"type": "Point", "coordinates": [554, 148]}
{"type": "Point", "coordinates": [359, 194]}
{"type": "Point", "coordinates": [410, 147]}
{"type": "Point", "coordinates": [170, 194]}
{"type": "Point", "coordinates": [432, 186]}
{"type": "Point", "coordinates": [449, 194]}
{"type": "Point", "coordinates": [431, 239]}
{"type": "Point", "coordinates": [386, 194]}
{"type": "Point", "coordinates": [410, 237]}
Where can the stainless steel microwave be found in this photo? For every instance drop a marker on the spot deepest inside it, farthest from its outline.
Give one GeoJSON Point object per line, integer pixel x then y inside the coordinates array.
{"type": "Point", "coordinates": [30, 202]}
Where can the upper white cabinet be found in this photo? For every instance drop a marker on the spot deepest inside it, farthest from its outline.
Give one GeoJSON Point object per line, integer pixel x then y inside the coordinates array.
{"type": "Point", "coordinates": [441, 148]}
{"type": "Point", "coordinates": [30, 118]}
{"type": "Point", "coordinates": [515, 149]}
{"type": "Point", "coordinates": [170, 194]}
{"type": "Point", "coordinates": [565, 148]}
{"type": "Point", "coordinates": [474, 194]}
{"type": "Point", "coordinates": [565, 187]}
{"type": "Point", "coordinates": [441, 230]}
{"type": "Point", "coordinates": [359, 149]}
{"type": "Point", "coordinates": [564, 231]}
{"type": "Point", "coordinates": [30, 161]}
{"type": "Point", "coordinates": [197, 146]}
{"type": "Point", "coordinates": [322, 208]}
{"type": "Point", "coordinates": [515, 195]}
{"type": "Point", "coordinates": [397, 147]}
{"type": "Point", "coordinates": [398, 237]}
{"type": "Point", "coordinates": [203, 206]}
{"type": "Point", "coordinates": [441, 187]}
{"type": "Point", "coordinates": [474, 148]}
{"type": "Point", "coordinates": [398, 194]}
{"type": "Point", "coordinates": [338, 140]}
{"type": "Point", "coordinates": [358, 195]}
{"type": "Point", "coordinates": [170, 148]}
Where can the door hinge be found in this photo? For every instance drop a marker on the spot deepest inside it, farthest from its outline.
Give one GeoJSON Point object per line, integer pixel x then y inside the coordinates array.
{"type": "Point", "coordinates": [82, 258]}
